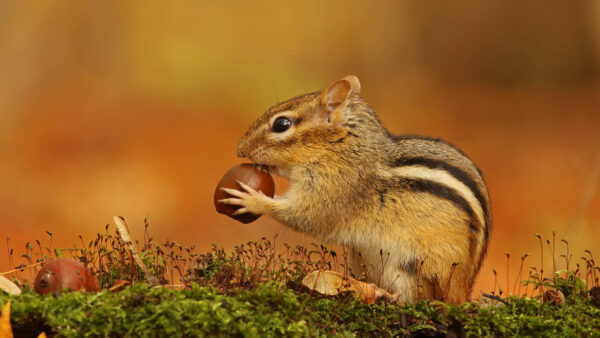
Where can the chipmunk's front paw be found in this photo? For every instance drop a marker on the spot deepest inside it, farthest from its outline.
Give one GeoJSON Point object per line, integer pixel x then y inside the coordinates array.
{"type": "Point", "coordinates": [249, 200]}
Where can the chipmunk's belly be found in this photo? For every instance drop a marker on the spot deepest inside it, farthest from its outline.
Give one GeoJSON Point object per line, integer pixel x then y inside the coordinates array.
{"type": "Point", "coordinates": [391, 267]}
{"type": "Point", "coordinates": [406, 243]}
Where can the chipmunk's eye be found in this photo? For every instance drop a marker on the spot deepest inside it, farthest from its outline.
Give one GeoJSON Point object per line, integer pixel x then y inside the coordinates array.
{"type": "Point", "coordinates": [281, 124]}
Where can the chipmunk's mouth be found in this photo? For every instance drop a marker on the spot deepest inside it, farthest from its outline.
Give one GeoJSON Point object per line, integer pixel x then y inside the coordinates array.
{"type": "Point", "coordinates": [257, 158]}
{"type": "Point", "coordinates": [270, 169]}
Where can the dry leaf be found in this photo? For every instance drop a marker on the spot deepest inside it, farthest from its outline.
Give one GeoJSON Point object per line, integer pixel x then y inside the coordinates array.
{"type": "Point", "coordinates": [5, 328]}
{"type": "Point", "coordinates": [324, 282]}
{"type": "Point", "coordinates": [8, 286]}
{"type": "Point", "coordinates": [332, 283]}
{"type": "Point", "coordinates": [555, 297]}
{"type": "Point", "coordinates": [119, 285]}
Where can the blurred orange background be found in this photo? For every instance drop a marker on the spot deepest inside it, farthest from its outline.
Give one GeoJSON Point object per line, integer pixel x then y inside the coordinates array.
{"type": "Point", "coordinates": [135, 109]}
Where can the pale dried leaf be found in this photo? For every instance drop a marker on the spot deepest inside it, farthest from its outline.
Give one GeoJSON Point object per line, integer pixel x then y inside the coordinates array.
{"type": "Point", "coordinates": [325, 282]}
{"type": "Point", "coordinates": [365, 291]}
{"type": "Point", "coordinates": [119, 285]}
{"type": "Point", "coordinates": [332, 283]}
{"type": "Point", "coordinates": [8, 286]}
{"type": "Point", "coordinates": [555, 297]}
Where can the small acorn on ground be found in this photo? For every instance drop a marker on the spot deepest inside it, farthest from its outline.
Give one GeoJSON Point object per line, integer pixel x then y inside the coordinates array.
{"type": "Point", "coordinates": [255, 176]}
{"type": "Point", "coordinates": [65, 273]}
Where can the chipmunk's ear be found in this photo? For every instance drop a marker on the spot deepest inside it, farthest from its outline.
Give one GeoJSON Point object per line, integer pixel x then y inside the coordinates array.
{"type": "Point", "coordinates": [335, 97]}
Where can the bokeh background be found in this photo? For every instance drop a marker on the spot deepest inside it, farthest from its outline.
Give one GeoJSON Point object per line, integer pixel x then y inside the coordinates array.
{"type": "Point", "coordinates": [135, 108]}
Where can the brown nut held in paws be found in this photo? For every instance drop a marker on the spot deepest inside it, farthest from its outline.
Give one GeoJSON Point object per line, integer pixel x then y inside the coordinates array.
{"type": "Point", "coordinates": [253, 175]}
{"type": "Point", "coordinates": [65, 273]}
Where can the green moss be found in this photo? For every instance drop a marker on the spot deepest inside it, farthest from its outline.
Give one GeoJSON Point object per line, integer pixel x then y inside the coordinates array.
{"type": "Point", "coordinates": [255, 291]}
{"type": "Point", "coordinates": [141, 310]}
{"type": "Point", "coordinates": [273, 309]}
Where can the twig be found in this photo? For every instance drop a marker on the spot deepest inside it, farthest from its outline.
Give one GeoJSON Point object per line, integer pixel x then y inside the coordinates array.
{"type": "Point", "coordinates": [494, 297]}
{"type": "Point", "coordinates": [126, 237]}
{"type": "Point", "coordinates": [507, 274]}
{"type": "Point", "coordinates": [23, 268]}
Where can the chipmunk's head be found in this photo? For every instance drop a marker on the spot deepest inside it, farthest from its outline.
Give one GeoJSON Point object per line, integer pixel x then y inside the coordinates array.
{"type": "Point", "coordinates": [302, 129]}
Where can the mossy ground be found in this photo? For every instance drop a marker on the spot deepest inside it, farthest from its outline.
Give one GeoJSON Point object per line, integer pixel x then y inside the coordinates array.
{"type": "Point", "coordinates": [274, 309]}
{"type": "Point", "coordinates": [255, 291]}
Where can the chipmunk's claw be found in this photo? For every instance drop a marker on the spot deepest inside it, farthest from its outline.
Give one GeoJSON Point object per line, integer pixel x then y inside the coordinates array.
{"type": "Point", "coordinates": [233, 192]}
{"type": "Point", "coordinates": [248, 188]}
{"type": "Point", "coordinates": [231, 201]}
{"type": "Point", "coordinates": [250, 200]}
{"type": "Point", "coordinates": [240, 211]}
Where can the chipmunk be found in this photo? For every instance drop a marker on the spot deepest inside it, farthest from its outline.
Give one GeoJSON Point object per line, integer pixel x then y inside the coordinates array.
{"type": "Point", "coordinates": [415, 210]}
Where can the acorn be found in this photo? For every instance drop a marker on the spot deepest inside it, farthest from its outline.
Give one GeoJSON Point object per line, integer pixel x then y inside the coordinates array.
{"type": "Point", "coordinates": [255, 176]}
{"type": "Point", "coordinates": [65, 273]}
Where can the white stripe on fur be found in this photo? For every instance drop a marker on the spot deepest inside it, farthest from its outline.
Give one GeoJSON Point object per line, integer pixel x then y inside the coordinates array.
{"type": "Point", "coordinates": [443, 177]}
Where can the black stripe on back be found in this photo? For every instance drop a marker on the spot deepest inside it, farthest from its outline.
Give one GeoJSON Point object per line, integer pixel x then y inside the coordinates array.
{"type": "Point", "coordinates": [449, 194]}
{"type": "Point", "coordinates": [433, 139]}
{"type": "Point", "coordinates": [440, 191]}
{"type": "Point", "coordinates": [452, 170]}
